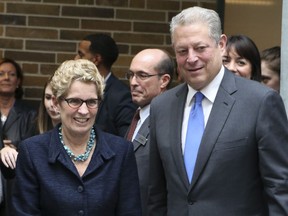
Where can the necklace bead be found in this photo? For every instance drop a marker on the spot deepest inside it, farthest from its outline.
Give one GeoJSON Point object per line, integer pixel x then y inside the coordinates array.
{"type": "Point", "coordinates": [82, 157]}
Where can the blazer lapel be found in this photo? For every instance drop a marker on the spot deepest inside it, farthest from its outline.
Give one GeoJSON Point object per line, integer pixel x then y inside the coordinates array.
{"type": "Point", "coordinates": [141, 137]}
{"type": "Point", "coordinates": [12, 117]}
{"type": "Point", "coordinates": [175, 135]}
{"type": "Point", "coordinates": [218, 116]}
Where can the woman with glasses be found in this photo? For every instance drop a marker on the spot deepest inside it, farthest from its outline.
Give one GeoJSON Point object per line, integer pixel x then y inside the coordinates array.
{"type": "Point", "coordinates": [76, 169]}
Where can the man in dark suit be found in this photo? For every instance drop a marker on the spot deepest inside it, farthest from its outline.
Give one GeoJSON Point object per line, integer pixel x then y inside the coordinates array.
{"type": "Point", "coordinates": [116, 110]}
{"type": "Point", "coordinates": [150, 74]}
{"type": "Point", "coordinates": [241, 164]}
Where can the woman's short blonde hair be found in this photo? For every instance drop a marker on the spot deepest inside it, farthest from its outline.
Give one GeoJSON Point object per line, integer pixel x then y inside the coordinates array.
{"type": "Point", "coordinates": [81, 70]}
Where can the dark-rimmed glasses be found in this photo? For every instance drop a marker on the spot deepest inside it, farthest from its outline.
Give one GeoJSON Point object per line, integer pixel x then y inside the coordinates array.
{"type": "Point", "coordinates": [141, 75]}
{"type": "Point", "coordinates": [75, 103]}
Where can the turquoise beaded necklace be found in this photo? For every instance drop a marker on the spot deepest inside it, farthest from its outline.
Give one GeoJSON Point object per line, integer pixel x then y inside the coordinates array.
{"type": "Point", "coordinates": [82, 157]}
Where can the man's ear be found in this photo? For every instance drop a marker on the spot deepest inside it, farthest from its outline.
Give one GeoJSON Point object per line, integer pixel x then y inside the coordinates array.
{"type": "Point", "coordinates": [97, 59]}
{"type": "Point", "coordinates": [165, 81]}
{"type": "Point", "coordinates": [222, 42]}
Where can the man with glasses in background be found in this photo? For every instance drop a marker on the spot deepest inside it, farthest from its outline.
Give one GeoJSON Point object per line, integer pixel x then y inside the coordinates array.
{"type": "Point", "coordinates": [150, 74]}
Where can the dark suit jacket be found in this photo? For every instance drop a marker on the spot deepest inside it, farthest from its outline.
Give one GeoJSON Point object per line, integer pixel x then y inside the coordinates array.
{"type": "Point", "coordinates": [117, 109]}
{"type": "Point", "coordinates": [141, 149]}
{"type": "Point", "coordinates": [242, 163]}
{"type": "Point", "coordinates": [47, 182]}
{"type": "Point", "coordinates": [20, 124]}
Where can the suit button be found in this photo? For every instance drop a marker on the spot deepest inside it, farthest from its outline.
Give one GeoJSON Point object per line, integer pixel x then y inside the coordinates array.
{"type": "Point", "coordinates": [80, 212]}
{"type": "Point", "coordinates": [191, 202]}
{"type": "Point", "coordinates": [80, 189]}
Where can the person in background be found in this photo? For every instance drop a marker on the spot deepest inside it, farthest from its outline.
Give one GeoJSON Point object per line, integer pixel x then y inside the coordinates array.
{"type": "Point", "coordinates": [218, 143]}
{"type": "Point", "coordinates": [150, 74]}
{"type": "Point", "coordinates": [18, 122]}
{"type": "Point", "coordinates": [76, 169]}
{"type": "Point", "coordinates": [116, 110]}
{"type": "Point", "coordinates": [270, 67]}
{"type": "Point", "coordinates": [48, 118]}
{"type": "Point", "coordinates": [242, 57]}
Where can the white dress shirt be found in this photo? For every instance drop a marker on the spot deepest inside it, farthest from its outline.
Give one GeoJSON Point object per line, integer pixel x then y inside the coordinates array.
{"type": "Point", "coordinates": [209, 92]}
{"type": "Point", "coordinates": [144, 113]}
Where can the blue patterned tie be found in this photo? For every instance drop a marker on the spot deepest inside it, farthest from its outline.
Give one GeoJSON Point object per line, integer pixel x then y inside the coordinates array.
{"type": "Point", "coordinates": [194, 135]}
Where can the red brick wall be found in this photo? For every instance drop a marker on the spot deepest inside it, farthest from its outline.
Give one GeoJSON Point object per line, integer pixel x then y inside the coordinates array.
{"type": "Point", "coordinates": [40, 34]}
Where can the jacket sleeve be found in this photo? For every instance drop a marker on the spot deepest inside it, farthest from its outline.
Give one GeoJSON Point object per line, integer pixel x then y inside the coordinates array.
{"type": "Point", "coordinates": [272, 135]}
{"type": "Point", "coordinates": [25, 199]}
{"type": "Point", "coordinates": [157, 194]}
{"type": "Point", "coordinates": [129, 195]}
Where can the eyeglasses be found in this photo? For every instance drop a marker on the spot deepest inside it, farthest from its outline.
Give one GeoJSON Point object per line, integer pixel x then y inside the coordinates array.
{"type": "Point", "coordinates": [140, 75]}
{"type": "Point", "coordinates": [75, 103]}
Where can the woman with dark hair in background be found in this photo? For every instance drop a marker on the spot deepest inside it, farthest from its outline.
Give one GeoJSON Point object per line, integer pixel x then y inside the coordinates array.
{"type": "Point", "coordinates": [18, 121]}
{"type": "Point", "coordinates": [242, 57]}
{"type": "Point", "coordinates": [48, 118]}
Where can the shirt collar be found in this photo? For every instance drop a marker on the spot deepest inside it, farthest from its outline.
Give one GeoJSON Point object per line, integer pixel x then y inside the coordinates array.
{"type": "Point", "coordinates": [210, 91]}
{"type": "Point", "coordinates": [144, 112]}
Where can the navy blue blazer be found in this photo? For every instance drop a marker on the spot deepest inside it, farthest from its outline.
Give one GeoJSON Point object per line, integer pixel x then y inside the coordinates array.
{"type": "Point", "coordinates": [47, 182]}
{"type": "Point", "coordinates": [117, 109]}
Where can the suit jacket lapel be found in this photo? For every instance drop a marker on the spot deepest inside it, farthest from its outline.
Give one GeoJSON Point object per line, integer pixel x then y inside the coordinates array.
{"type": "Point", "coordinates": [218, 116]}
{"type": "Point", "coordinates": [141, 137]}
{"type": "Point", "coordinates": [175, 135]}
{"type": "Point", "coordinates": [12, 117]}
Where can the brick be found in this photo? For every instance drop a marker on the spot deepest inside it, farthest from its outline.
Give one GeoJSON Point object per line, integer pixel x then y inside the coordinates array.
{"type": "Point", "coordinates": [30, 68]}
{"type": "Point", "coordinates": [136, 49]}
{"type": "Point", "coordinates": [87, 12]}
{"type": "Point", "coordinates": [106, 25]}
{"type": "Point", "coordinates": [11, 43]}
{"type": "Point", "coordinates": [25, 8]}
{"type": "Point", "coordinates": [139, 38]}
{"type": "Point", "coordinates": [163, 5]}
{"type": "Point", "coordinates": [123, 48]}
{"type": "Point", "coordinates": [187, 4]}
{"type": "Point", "coordinates": [87, 2]}
{"type": "Point", "coordinates": [33, 80]}
{"type": "Point", "coordinates": [30, 56]}
{"type": "Point", "coordinates": [50, 46]}
{"type": "Point", "coordinates": [137, 4]}
{"type": "Point", "coordinates": [151, 27]}
{"type": "Point", "coordinates": [2, 8]}
{"type": "Point", "coordinates": [120, 72]}
{"type": "Point", "coordinates": [123, 60]}
{"type": "Point", "coordinates": [140, 15]}
{"type": "Point", "coordinates": [61, 1]}
{"type": "Point", "coordinates": [12, 20]}
{"type": "Point", "coordinates": [77, 35]}
{"type": "Point", "coordinates": [119, 3]}
{"type": "Point", "coordinates": [53, 22]}
{"type": "Point", "coordinates": [212, 5]}
{"type": "Point", "coordinates": [33, 92]}
{"type": "Point", "coordinates": [48, 69]}
{"type": "Point", "coordinates": [171, 15]}
{"type": "Point", "coordinates": [61, 57]}
{"type": "Point", "coordinates": [31, 33]}
{"type": "Point", "coordinates": [168, 40]}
